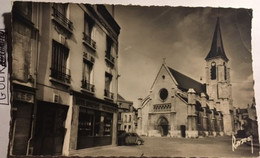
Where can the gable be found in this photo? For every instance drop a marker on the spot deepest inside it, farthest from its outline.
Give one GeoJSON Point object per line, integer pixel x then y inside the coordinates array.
{"type": "Point", "coordinates": [164, 77]}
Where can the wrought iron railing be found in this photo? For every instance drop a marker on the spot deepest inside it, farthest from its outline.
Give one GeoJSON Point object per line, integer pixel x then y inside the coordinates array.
{"type": "Point", "coordinates": [62, 18]}
{"type": "Point", "coordinates": [110, 57]}
{"type": "Point", "coordinates": [86, 85]}
{"type": "Point", "coordinates": [108, 94]}
{"type": "Point", "coordinates": [88, 57]}
{"type": "Point", "coordinates": [88, 40]}
{"type": "Point", "coordinates": [62, 74]}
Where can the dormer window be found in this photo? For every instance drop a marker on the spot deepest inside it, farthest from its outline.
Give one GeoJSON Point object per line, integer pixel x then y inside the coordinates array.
{"type": "Point", "coordinates": [213, 71]}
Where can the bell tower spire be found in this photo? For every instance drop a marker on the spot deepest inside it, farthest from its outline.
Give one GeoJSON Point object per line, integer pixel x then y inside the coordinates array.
{"type": "Point", "coordinates": [217, 49]}
{"type": "Point", "coordinates": [219, 88]}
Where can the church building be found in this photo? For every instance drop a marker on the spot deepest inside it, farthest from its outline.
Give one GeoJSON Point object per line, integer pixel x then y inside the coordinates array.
{"type": "Point", "coordinates": [179, 106]}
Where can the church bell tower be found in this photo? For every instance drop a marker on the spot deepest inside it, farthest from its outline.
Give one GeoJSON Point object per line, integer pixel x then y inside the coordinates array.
{"type": "Point", "coordinates": [218, 80]}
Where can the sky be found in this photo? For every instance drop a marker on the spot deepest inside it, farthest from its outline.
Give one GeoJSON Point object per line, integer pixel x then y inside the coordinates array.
{"type": "Point", "coordinates": [183, 36]}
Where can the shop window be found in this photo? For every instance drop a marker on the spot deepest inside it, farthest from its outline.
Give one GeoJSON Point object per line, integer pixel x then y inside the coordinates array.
{"type": "Point", "coordinates": [103, 124]}
{"type": "Point", "coordinates": [107, 125]}
{"type": "Point", "coordinates": [86, 123]}
{"type": "Point", "coordinates": [213, 71]}
{"type": "Point", "coordinates": [59, 69]}
{"type": "Point", "coordinates": [97, 124]}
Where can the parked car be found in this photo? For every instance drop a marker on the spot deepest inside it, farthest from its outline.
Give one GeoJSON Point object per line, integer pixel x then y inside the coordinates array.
{"type": "Point", "coordinates": [133, 138]}
{"type": "Point", "coordinates": [129, 138]}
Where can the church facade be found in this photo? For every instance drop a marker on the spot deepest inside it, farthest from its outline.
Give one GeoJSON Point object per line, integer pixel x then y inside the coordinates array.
{"type": "Point", "coordinates": [179, 106]}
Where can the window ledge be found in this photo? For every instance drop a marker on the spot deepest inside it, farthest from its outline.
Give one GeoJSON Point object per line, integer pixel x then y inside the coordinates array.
{"type": "Point", "coordinates": [89, 45]}
{"type": "Point", "coordinates": [59, 82]}
{"type": "Point", "coordinates": [87, 91]}
{"type": "Point", "coordinates": [110, 99]}
{"type": "Point", "coordinates": [109, 62]}
{"type": "Point", "coordinates": [62, 25]}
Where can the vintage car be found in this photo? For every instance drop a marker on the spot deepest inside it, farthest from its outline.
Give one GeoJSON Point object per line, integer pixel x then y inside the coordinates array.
{"type": "Point", "coordinates": [129, 139]}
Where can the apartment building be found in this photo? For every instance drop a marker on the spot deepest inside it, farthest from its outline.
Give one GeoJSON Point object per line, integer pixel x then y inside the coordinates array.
{"type": "Point", "coordinates": [127, 115]}
{"type": "Point", "coordinates": [64, 78]}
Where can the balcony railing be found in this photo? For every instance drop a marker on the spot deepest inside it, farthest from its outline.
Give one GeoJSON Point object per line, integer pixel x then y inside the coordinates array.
{"type": "Point", "coordinates": [108, 94]}
{"type": "Point", "coordinates": [110, 58]}
{"type": "Point", "coordinates": [87, 86]}
{"type": "Point", "coordinates": [62, 18]}
{"type": "Point", "coordinates": [62, 75]}
{"type": "Point", "coordinates": [88, 57]}
{"type": "Point", "coordinates": [88, 40]}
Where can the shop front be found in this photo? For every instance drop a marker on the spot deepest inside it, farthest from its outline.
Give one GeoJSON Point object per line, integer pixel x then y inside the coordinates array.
{"type": "Point", "coordinates": [22, 110]}
{"type": "Point", "coordinates": [94, 128]}
{"type": "Point", "coordinates": [49, 130]}
{"type": "Point", "coordinates": [96, 122]}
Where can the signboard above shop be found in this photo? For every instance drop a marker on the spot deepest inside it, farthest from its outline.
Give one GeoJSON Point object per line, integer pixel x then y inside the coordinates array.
{"type": "Point", "coordinates": [24, 96]}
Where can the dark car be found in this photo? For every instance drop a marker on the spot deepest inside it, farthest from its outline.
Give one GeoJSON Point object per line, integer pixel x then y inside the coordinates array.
{"type": "Point", "coordinates": [133, 138]}
{"type": "Point", "coordinates": [129, 138]}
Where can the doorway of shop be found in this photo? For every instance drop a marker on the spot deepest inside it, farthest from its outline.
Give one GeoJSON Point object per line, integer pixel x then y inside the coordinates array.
{"type": "Point", "coordinates": [50, 130]}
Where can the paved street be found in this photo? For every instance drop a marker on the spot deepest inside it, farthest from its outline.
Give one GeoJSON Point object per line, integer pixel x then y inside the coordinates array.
{"type": "Point", "coordinates": [163, 146]}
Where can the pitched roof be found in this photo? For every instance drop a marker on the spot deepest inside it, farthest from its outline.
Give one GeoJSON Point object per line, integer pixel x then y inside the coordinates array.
{"type": "Point", "coordinates": [184, 98]}
{"type": "Point", "coordinates": [122, 99]}
{"type": "Point", "coordinates": [185, 82]}
{"type": "Point", "coordinates": [217, 49]}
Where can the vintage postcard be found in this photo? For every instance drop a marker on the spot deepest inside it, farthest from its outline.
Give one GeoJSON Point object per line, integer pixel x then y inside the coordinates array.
{"type": "Point", "coordinates": [128, 80]}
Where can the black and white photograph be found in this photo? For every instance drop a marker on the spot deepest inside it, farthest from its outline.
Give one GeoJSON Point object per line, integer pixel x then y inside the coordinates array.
{"type": "Point", "coordinates": [129, 80]}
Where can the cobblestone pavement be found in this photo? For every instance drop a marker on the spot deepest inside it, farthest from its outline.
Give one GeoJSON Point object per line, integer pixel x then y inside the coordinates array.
{"type": "Point", "coordinates": [174, 147]}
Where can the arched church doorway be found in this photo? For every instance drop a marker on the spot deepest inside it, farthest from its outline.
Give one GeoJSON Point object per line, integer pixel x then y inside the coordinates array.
{"type": "Point", "coordinates": [163, 126]}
